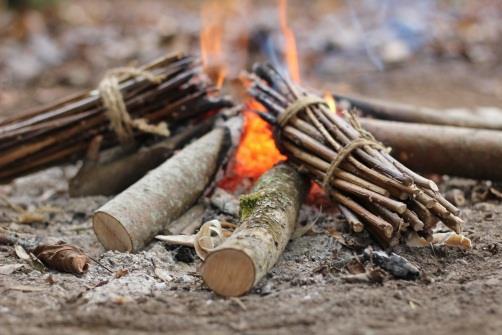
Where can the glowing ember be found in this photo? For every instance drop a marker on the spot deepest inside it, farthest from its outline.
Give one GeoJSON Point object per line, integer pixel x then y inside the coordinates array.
{"type": "Point", "coordinates": [290, 43]}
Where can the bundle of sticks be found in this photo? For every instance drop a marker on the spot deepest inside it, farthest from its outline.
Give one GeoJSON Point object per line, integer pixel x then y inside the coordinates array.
{"type": "Point", "coordinates": [172, 89]}
{"type": "Point", "coordinates": [373, 190]}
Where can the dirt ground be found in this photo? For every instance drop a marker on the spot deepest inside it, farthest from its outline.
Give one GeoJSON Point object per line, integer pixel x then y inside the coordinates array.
{"type": "Point", "coordinates": [459, 292]}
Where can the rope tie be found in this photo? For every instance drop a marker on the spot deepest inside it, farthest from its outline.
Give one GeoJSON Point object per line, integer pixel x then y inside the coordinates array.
{"type": "Point", "coordinates": [343, 154]}
{"type": "Point", "coordinates": [115, 107]}
{"type": "Point", "coordinates": [297, 106]}
{"type": "Point", "coordinates": [366, 137]}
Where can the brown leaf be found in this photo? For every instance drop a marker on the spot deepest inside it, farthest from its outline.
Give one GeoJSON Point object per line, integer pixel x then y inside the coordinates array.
{"type": "Point", "coordinates": [355, 266]}
{"type": "Point", "coordinates": [63, 257]}
{"type": "Point", "coordinates": [121, 273]}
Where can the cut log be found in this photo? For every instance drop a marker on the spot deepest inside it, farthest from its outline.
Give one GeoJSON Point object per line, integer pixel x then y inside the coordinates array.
{"type": "Point", "coordinates": [486, 118]}
{"type": "Point", "coordinates": [130, 220]}
{"type": "Point", "coordinates": [268, 216]}
{"type": "Point", "coordinates": [456, 151]}
{"type": "Point", "coordinates": [110, 178]}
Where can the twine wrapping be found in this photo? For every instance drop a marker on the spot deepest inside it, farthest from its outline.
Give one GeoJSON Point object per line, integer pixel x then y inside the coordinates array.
{"type": "Point", "coordinates": [298, 106]}
{"type": "Point", "coordinates": [365, 139]}
{"type": "Point", "coordinates": [116, 110]}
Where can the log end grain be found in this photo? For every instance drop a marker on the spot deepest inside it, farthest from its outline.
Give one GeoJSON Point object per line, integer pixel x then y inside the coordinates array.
{"type": "Point", "coordinates": [111, 233]}
{"type": "Point", "coordinates": [229, 272]}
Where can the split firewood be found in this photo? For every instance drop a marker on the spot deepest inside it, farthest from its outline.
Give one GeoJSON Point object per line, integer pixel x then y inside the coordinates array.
{"type": "Point", "coordinates": [129, 104]}
{"type": "Point", "coordinates": [130, 220]}
{"type": "Point", "coordinates": [112, 177]}
{"type": "Point", "coordinates": [356, 170]}
{"type": "Point", "coordinates": [268, 216]}
{"type": "Point", "coordinates": [485, 118]}
{"type": "Point", "coordinates": [463, 152]}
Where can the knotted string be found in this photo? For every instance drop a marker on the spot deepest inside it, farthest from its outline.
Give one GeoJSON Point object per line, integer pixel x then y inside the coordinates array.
{"type": "Point", "coordinates": [365, 139]}
{"type": "Point", "coordinates": [116, 110]}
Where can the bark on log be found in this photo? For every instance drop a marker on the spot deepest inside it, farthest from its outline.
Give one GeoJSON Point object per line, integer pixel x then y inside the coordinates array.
{"type": "Point", "coordinates": [135, 216]}
{"type": "Point", "coordinates": [456, 151]}
{"type": "Point", "coordinates": [110, 178]}
{"type": "Point", "coordinates": [268, 216]}
{"type": "Point", "coordinates": [385, 110]}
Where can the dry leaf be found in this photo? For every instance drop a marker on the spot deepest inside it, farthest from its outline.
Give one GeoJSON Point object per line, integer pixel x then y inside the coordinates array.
{"type": "Point", "coordinates": [121, 273]}
{"type": "Point", "coordinates": [63, 257]}
{"type": "Point", "coordinates": [31, 217]}
{"type": "Point", "coordinates": [50, 280]}
{"type": "Point", "coordinates": [355, 266]}
{"type": "Point", "coordinates": [452, 239]}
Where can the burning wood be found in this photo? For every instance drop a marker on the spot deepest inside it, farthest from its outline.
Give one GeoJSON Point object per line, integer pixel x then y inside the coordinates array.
{"type": "Point", "coordinates": [386, 110]}
{"type": "Point", "coordinates": [268, 216]}
{"type": "Point", "coordinates": [135, 216]}
{"type": "Point", "coordinates": [358, 173]}
{"type": "Point", "coordinates": [171, 89]}
{"type": "Point", "coordinates": [457, 151]}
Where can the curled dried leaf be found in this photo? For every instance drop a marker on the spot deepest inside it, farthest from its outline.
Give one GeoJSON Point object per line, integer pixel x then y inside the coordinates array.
{"type": "Point", "coordinates": [63, 257]}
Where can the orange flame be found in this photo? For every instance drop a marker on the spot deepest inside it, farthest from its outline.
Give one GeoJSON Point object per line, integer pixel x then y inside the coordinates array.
{"type": "Point", "coordinates": [257, 151]}
{"type": "Point", "coordinates": [290, 43]}
{"type": "Point", "coordinates": [213, 17]}
{"type": "Point", "coordinates": [328, 97]}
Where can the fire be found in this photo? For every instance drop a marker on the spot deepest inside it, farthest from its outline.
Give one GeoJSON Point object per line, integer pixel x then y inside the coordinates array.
{"type": "Point", "coordinates": [257, 151]}
{"type": "Point", "coordinates": [213, 17]}
{"type": "Point", "coordinates": [328, 97]}
{"type": "Point", "coordinates": [291, 52]}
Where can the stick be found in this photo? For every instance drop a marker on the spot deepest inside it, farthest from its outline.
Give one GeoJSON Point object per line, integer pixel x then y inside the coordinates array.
{"type": "Point", "coordinates": [463, 152]}
{"type": "Point", "coordinates": [110, 178]}
{"type": "Point", "coordinates": [130, 220]}
{"type": "Point", "coordinates": [406, 113]}
{"type": "Point", "coordinates": [268, 218]}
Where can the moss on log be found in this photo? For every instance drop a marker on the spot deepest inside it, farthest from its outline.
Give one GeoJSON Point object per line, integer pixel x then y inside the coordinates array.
{"type": "Point", "coordinates": [268, 216]}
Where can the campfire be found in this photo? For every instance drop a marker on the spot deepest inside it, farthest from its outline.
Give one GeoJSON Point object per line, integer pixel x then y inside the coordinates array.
{"type": "Point", "coordinates": [229, 176]}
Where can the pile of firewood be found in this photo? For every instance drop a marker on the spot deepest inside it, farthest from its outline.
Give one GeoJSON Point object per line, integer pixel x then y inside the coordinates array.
{"type": "Point", "coordinates": [171, 90]}
{"type": "Point", "coordinates": [373, 190]}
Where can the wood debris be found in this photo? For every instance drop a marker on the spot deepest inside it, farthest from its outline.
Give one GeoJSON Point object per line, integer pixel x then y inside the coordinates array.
{"type": "Point", "coordinates": [357, 172]}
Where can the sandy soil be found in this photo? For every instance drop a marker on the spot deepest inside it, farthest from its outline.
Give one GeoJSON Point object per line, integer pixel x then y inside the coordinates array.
{"type": "Point", "coordinates": [458, 292]}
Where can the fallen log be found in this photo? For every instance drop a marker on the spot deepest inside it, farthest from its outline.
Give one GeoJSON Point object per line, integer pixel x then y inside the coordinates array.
{"type": "Point", "coordinates": [484, 118]}
{"type": "Point", "coordinates": [268, 216]}
{"type": "Point", "coordinates": [97, 177]}
{"type": "Point", "coordinates": [130, 220]}
{"type": "Point", "coordinates": [456, 151]}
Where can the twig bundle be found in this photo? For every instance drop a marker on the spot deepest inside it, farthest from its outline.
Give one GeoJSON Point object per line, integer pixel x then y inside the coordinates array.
{"type": "Point", "coordinates": [372, 189]}
{"type": "Point", "coordinates": [171, 89]}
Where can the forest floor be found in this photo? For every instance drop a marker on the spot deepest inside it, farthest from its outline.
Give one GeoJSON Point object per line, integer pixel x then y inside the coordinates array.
{"type": "Point", "coordinates": [459, 292]}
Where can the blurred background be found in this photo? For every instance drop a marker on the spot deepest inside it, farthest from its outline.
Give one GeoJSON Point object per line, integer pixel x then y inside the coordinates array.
{"type": "Point", "coordinates": [427, 52]}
